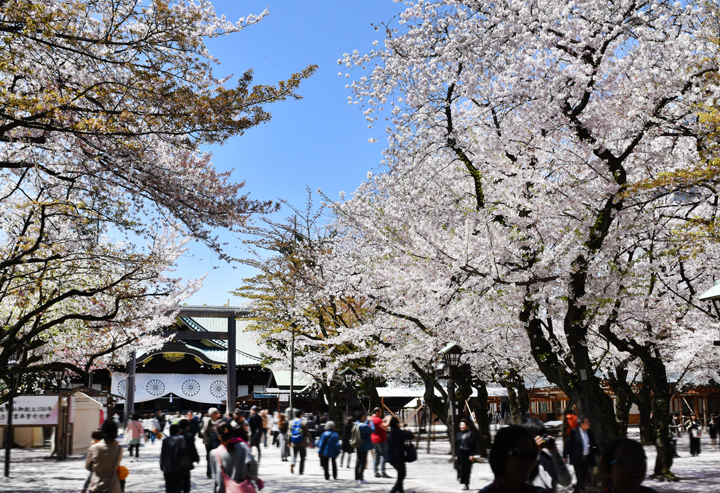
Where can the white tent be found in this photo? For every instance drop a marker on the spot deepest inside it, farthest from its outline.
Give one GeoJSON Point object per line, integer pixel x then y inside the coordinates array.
{"type": "Point", "coordinates": [88, 417]}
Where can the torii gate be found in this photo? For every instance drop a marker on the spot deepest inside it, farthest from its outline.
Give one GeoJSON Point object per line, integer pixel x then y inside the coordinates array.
{"type": "Point", "coordinates": [231, 313]}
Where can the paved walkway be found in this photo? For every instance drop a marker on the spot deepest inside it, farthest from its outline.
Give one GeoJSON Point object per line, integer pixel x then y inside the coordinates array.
{"type": "Point", "coordinates": [432, 473]}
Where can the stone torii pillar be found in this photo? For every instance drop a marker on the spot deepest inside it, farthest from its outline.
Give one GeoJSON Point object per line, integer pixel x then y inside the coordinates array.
{"type": "Point", "coordinates": [231, 313]}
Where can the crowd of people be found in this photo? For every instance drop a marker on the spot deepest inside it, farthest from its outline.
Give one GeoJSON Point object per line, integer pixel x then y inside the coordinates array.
{"type": "Point", "coordinates": [523, 458]}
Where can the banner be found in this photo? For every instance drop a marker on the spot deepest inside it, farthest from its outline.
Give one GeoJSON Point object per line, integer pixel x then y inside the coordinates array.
{"type": "Point", "coordinates": [32, 410]}
{"type": "Point", "coordinates": [209, 389]}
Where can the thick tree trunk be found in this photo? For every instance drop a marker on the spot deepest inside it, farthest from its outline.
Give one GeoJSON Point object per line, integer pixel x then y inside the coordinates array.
{"type": "Point", "coordinates": [647, 436]}
{"type": "Point", "coordinates": [622, 411]}
{"type": "Point", "coordinates": [661, 418]}
{"type": "Point", "coordinates": [513, 403]}
{"type": "Point", "coordinates": [654, 368]}
{"type": "Point", "coordinates": [483, 437]}
{"type": "Point", "coordinates": [567, 373]}
{"type": "Point", "coordinates": [438, 405]}
{"type": "Point", "coordinates": [336, 410]}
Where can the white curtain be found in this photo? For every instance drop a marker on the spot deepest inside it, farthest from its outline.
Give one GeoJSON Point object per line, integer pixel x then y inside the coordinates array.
{"type": "Point", "coordinates": [210, 389]}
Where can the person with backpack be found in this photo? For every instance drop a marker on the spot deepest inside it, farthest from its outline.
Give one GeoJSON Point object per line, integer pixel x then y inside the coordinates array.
{"type": "Point", "coordinates": [299, 440]}
{"type": "Point", "coordinates": [346, 447]}
{"type": "Point", "coordinates": [329, 449]}
{"type": "Point", "coordinates": [396, 451]}
{"type": "Point", "coordinates": [361, 441]}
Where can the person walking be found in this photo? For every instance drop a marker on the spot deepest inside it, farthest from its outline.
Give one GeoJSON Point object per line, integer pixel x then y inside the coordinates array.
{"type": "Point", "coordinates": [96, 436]}
{"type": "Point", "coordinates": [275, 429]}
{"type": "Point", "coordinates": [267, 423]}
{"type": "Point", "coordinates": [299, 440]}
{"type": "Point", "coordinates": [674, 432]}
{"type": "Point", "coordinates": [173, 447]}
{"type": "Point", "coordinates": [282, 437]}
{"type": "Point", "coordinates": [713, 431]}
{"type": "Point", "coordinates": [210, 436]}
{"type": "Point", "coordinates": [582, 450]}
{"type": "Point", "coordinates": [396, 451]}
{"type": "Point", "coordinates": [256, 430]}
{"type": "Point", "coordinates": [232, 461]}
{"type": "Point", "coordinates": [329, 449]}
{"type": "Point", "coordinates": [192, 455]}
{"type": "Point", "coordinates": [552, 471]}
{"type": "Point", "coordinates": [347, 449]}
{"type": "Point", "coordinates": [694, 428]}
{"type": "Point", "coordinates": [135, 434]}
{"type": "Point", "coordinates": [513, 457]}
{"type": "Point", "coordinates": [624, 465]}
{"type": "Point", "coordinates": [103, 460]}
{"type": "Point", "coordinates": [379, 440]}
{"type": "Point", "coordinates": [363, 430]}
{"type": "Point", "coordinates": [194, 421]}
{"type": "Point", "coordinates": [464, 449]}
{"type": "Point", "coordinates": [570, 422]}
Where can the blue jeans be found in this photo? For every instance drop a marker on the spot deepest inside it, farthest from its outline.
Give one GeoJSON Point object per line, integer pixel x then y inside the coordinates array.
{"type": "Point", "coordinates": [380, 456]}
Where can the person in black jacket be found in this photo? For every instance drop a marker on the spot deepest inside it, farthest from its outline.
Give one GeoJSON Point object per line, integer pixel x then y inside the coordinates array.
{"type": "Point", "coordinates": [172, 448]}
{"type": "Point", "coordinates": [396, 452]}
{"type": "Point", "coordinates": [583, 452]}
{"type": "Point", "coordinates": [256, 429]}
{"type": "Point", "coordinates": [346, 447]}
{"type": "Point", "coordinates": [464, 450]}
{"type": "Point", "coordinates": [192, 453]}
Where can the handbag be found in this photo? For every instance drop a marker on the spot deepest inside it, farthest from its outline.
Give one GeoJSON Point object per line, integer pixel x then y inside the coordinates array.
{"type": "Point", "coordinates": [232, 486]}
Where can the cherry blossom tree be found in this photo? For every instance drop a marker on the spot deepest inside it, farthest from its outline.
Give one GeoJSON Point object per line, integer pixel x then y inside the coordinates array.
{"type": "Point", "coordinates": [103, 108]}
{"type": "Point", "coordinates": [297, 320]}
{"type": "Point", "coordinates": [72, 298]}
{"type": "Point", "coordinates": [521, 130]}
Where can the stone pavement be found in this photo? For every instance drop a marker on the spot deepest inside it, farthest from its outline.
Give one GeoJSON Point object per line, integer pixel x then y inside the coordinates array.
{"type": "Point", "coordinates": [432, 473]}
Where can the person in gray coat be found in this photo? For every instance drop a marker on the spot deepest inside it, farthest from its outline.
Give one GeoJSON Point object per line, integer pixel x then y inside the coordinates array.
{"type": "Point", "coordinates": [173, 447]}
{"type": "Point", "coordinates": [232, 460]}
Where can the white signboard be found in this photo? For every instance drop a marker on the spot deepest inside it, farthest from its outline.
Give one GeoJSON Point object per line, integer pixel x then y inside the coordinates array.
{"type": "Point", "coordinates": [32, 410]}
{"type": "Point", "coordinates": [209, 389]}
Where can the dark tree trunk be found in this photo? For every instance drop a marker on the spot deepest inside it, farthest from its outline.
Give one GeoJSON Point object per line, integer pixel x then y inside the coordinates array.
{"type": "Point", "coordinates": [565, 372]}
{"type": "Point", "coordinates": [336, 410]}
{"type": "Point", "coordinates": [662, 393]}
{"type": "Point", "coordinates": [438, 405]}
{"type": "Point", "coordinates": [622, 410]}
{"type": "Point", "coordinates": [482, 436]}
{"type": "Point", "coordinates": [513, 403]}
{"type": "Point", "coordinates": [654, 369]}
{"type": "Point", "coordinates": [647, 436]}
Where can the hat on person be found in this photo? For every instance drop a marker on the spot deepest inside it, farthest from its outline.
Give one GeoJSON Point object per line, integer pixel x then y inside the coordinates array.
{"type": "Point", "coordinates": [213, 410]}
{"type": "Point", "coordinates": [254, 408]}
{"type": "Point", "coordinates": [238, 411]}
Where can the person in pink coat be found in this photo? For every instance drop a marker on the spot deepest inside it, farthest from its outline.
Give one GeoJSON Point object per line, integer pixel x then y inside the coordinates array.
{"type": "Point", "coordinates": [134, 434]}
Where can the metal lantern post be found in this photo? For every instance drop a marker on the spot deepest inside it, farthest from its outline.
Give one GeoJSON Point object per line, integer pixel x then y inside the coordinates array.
{"type": "Point", "coordinates": [713, 295]}
{"type": "Point", "coordinates": [12, 363]}
{"type": "Point", "coordinates": [451, 357]}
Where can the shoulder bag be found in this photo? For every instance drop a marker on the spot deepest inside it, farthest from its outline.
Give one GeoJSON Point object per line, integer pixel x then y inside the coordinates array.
{"type": "Point", "coordinates": [232, 486]}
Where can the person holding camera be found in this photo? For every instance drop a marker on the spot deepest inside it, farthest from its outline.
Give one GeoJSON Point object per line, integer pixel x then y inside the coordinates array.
{"type": "Point", "coordinates": [551, 468]}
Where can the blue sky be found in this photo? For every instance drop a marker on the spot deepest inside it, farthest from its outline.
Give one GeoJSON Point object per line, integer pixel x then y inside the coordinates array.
{"type": "Point", "coordinates": [319, 141]}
